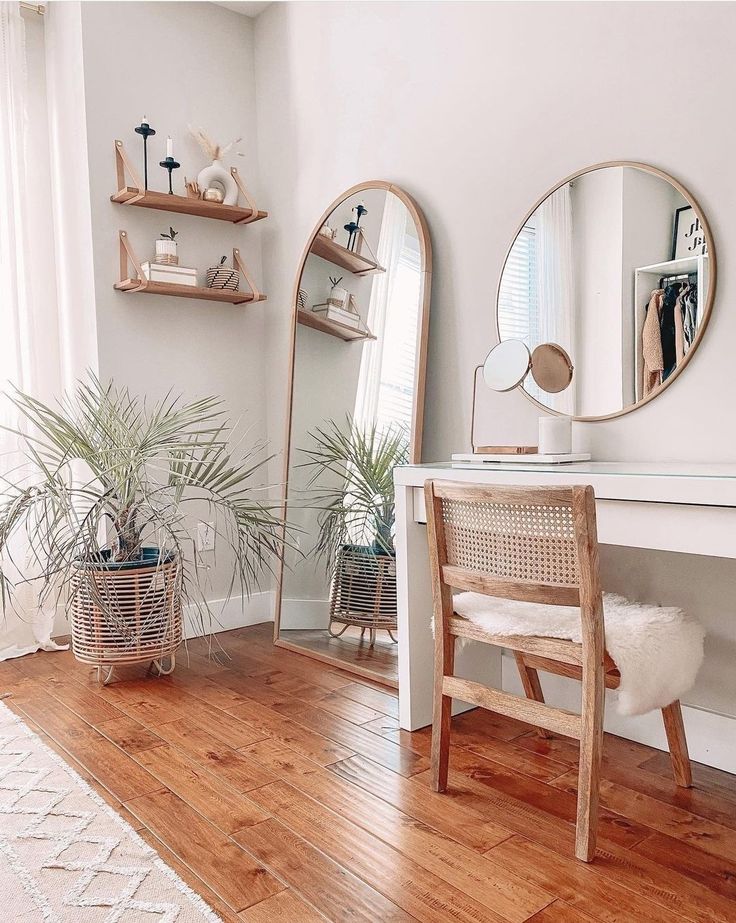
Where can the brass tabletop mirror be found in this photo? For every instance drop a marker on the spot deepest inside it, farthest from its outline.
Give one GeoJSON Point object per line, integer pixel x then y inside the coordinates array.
{"type": "Point", "coordinates": [616, 266]}
{"type": "Point", "coordinates": [356, 399]}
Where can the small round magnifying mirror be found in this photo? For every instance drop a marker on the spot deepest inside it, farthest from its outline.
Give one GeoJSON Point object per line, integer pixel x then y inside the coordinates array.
{"type": "Point", "coordinates": [506, 365]}
{"type": "Point", "coordinates": [551, 367]}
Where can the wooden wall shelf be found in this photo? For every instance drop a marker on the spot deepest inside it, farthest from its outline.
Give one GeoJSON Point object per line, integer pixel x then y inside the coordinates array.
{"type": "Point", "coordinates": [341, 331]}
{"type": "Point", "coordinates": [183, 205]}
{"type": "Point", "coordinates": [187, 291]}
{"type": "Point", "coordinates": [335, 253]}
{"type": "Point", "coordinates": [140, 284]}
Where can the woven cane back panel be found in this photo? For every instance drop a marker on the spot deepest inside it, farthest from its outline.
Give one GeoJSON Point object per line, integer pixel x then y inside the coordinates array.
{"type": "Point", "coordinates": [524, 541]}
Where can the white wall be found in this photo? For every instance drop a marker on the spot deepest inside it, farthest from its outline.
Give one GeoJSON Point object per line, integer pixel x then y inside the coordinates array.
{"type": "Point", "coordinates": [597, 221]}
{"type": "Point", "coordinates": [179, 64]}
{"type": "Point", "coordinates": [476, 109]}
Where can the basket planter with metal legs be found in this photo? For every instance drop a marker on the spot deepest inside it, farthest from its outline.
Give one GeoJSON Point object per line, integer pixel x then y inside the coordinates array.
{"type": "Point", "coordinates": [127, 613]}
{"type": "Point", "coordinates": [363, 592]}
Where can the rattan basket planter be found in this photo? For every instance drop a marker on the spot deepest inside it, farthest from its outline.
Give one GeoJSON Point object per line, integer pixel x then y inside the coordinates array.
{"type": "Point", "coordinates": [364, 592]}
{"type": "Point", "coordinates": [126, 613]}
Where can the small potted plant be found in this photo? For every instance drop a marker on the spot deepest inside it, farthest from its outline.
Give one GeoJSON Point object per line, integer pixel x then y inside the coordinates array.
{"type": "Point", "coordinates": [354, 491]}
{"type": "Point", "coordinates": [102, 499]}
{"type": "Point", "coordinates": [338, 296]}
{"type": "Point", "coordinates": [221, 276]}
{"type": "Point", "coordinates": [166, 248]}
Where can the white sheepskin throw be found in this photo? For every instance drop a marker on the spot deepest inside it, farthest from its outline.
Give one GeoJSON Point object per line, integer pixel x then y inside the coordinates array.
{"type": "Point", "coordinates": [658, 650]}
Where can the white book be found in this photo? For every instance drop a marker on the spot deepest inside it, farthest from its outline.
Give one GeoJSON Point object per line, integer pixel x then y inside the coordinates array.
{"type": "Point", "coordinates": [164, 272]}
{"type": "Point", "coordinates": [338, 315]}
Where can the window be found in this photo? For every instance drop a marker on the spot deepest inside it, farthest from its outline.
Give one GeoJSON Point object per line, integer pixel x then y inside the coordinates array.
{"type": "Point", "coordinates": [518, 309]}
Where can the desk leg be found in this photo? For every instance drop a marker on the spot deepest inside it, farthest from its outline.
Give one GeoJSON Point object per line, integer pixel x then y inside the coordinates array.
{"type": "Point", "coordinates": [416, 645]}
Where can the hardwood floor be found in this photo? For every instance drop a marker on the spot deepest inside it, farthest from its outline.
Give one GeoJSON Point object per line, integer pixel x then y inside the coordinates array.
{"type": "Point", "coordinates": [281, 789]}
{"type": "Point", "coordinates": [382, 660]}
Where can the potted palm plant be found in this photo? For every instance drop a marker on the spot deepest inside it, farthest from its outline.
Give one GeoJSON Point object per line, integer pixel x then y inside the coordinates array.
{"type": "Point", "coordinates": [352, 476]}
{"type": "Point", "coordinates": [102, 501]}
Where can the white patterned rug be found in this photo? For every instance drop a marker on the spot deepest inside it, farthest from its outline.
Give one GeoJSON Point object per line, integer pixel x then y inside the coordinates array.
{"type": "Point", "coordinates": [66, 856]}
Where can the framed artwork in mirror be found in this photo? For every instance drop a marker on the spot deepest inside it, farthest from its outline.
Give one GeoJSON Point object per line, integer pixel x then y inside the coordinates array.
{"type": "Point", "coordinates": [616, 265]}
{"type": "Point", "coordinates": [688, 237]}
{"type": "Point", "coordinates": [355, 410]}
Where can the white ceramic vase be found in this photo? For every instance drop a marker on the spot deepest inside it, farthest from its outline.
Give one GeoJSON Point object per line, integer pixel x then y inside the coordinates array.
{"type": "Point", "coordinates": [218, 175]}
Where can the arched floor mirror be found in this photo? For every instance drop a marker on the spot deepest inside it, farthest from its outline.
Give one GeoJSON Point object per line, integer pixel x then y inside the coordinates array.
{"type": "Point", "coordinates": [355, 410]}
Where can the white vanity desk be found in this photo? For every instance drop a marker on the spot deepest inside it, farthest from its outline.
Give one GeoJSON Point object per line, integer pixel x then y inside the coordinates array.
{"type": "Point", "coordinates": [669, 507]}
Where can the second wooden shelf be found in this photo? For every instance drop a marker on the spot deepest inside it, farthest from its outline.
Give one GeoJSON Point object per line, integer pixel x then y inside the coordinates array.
{"type": "Point", "coordinates": [341, 331]}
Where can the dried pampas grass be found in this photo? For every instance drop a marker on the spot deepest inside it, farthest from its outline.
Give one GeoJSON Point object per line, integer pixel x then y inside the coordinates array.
{"type": "Point", "coordinates": [212, 150]}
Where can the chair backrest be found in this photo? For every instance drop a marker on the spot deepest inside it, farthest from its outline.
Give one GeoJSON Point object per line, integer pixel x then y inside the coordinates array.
{"type": "Point", "coordinates": [536, 544]}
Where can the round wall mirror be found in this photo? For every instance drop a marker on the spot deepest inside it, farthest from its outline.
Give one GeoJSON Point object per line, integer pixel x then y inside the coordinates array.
{"type": "Point", "coordinates": [616, 267]}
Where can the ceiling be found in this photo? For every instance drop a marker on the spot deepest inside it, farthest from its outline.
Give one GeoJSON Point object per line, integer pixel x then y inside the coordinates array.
{"type": "Point", "coordinates": [246, 7]}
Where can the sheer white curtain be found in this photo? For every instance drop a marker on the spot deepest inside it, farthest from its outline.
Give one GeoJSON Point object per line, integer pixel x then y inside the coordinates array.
{"type": "Point", "coordinates": [29, 334]}
{"type": "Point", "coordinates": [556, 282]}
{"type": "Point", "coordinates": [390, 246]}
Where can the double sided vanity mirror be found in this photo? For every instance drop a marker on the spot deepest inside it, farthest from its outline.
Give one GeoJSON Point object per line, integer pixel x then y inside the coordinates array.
{"type": "Point", "coordinates": [359, 335]}
{"type": "Point", "coordinates": [616, 266]}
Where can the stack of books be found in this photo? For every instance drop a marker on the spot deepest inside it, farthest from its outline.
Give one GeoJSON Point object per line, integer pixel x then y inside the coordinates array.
{"type": "Point", "coordinates": [165, 272]}
{"type": "Point", "coordinates": [339, 315]}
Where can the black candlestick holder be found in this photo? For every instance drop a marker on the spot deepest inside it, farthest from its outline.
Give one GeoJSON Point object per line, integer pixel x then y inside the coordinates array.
{"type": "Point", "coordinates": [169, 164]}
{"type": "Point", "coordinates": [145, 129]}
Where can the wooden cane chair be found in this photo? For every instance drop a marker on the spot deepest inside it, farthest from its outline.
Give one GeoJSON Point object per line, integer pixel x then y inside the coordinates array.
{"type": "Point", "coordinates": [536, 545]}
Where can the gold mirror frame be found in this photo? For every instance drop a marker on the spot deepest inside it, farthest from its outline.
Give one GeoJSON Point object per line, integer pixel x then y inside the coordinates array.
{"type": "Point", "coordinates": [417, 427]}
{"type": "Point", "coordinates": [647, 168]}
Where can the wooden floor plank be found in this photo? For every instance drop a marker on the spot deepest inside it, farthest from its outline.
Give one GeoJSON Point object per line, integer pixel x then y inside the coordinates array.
{"type": "Point", "coordinates": [219, 803]}
{"type": "Point", "coordinates": [460, 823]}
{"type": "Point", "coordinates": [488, 882]}
{"type": "Point", "coordinates": [400, 879]}
{"type": "Point", "coordinates": [664, 818]}
{"type": "Point", "coordinates": [358, 739]}
{"type": "Point", "coordinates": [560, 912]}
{"type": "Point", "coordinates": [313, 745]}
{"type": "Point", "coordinates": [339, 894]}
{"type": "Point", "coordinates": [228, 870]}
{"type": "Point", "coordinates": [129, 735]}
{"type": "Point", "coordinates": [189, 877]}
{"type": "Point", "coordinates": [284, 907]}
{"type": "Point", "coordinates": [579, 885]}
{"type": "Point", "coordinates": [227, 764]}
{"type": "Point", "coordinates": [383, 702]}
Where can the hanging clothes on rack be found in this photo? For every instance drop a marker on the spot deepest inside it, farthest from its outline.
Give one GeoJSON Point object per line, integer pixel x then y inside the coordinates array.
{"type": "Point", "coordinates": [690, 313]}
{"type": "Point", "coordinates": [651, 343]}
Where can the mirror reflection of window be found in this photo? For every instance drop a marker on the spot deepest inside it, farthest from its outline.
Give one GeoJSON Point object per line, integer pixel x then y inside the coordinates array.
{"type": "Point", "coordinates": [385, 393]}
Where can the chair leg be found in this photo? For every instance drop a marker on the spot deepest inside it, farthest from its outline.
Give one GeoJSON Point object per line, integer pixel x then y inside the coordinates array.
{"type": "Point", "coordinates": [591, 749]}
{"type": "Point", "coordinates": [444, 665]}
{"type": "Point", "coordinates": [532, 687]}
{"type": "Point", "coordinates": [677, 742]}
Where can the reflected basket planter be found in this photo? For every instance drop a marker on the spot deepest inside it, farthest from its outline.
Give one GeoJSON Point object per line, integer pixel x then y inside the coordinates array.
{"type": "Point", "coordinates": [127, 612]}
{"type": "Point", "coordinates": [364, 592]}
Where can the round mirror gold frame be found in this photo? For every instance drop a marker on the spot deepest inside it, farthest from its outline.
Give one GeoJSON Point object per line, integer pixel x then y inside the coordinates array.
{"type": "Point", "coordinates": [647, 168]}
{"type": "Point", "coordinates": [415, 439]}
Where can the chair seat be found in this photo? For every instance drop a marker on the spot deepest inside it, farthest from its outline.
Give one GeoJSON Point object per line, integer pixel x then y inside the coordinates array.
{"type": "Point", "coordinates": [656, 650]}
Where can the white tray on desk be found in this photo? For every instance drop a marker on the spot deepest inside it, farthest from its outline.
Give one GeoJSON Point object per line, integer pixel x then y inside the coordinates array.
{"type": "Point", "coordinates": [536, 459]}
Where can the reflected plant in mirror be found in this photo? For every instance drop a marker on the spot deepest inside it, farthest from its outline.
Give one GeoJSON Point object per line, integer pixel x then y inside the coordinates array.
{"type": "Point", "coordinates": [616, 265]}
{"type": "Point", "coordinates": [351, 471]}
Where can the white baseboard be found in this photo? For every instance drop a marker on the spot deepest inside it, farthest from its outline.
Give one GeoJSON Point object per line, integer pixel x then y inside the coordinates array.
{"type": "Point", "coordinates": [304, 613]}
{"type": "Point", "coordinates": [711, 737]}
{"type": "Point", "coordinates": [226, 614]}
{"type": "Point", "coordinates": [233, 613]}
